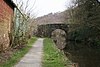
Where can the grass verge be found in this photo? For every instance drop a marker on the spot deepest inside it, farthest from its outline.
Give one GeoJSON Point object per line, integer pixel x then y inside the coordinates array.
{"type": "Point", "coordinates": [18, 54]}
{"type": "Point", "coordinates": [52, 56]}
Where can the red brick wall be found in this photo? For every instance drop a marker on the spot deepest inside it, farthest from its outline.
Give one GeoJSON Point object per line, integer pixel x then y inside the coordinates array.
{"type": "Point", "coordinates": [6, 14]}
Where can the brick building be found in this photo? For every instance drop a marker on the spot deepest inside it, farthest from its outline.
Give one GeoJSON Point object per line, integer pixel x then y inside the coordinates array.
{"type": "Point", "coordinates": [6, 21]}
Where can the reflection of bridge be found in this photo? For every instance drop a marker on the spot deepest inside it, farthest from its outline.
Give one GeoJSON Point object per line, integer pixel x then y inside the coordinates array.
{"type": "Point", "coordinates": [46, 29]}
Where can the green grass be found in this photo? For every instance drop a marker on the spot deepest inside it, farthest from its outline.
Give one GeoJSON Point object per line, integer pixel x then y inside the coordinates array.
{"type": "Point", "coordinates": [19, 54]}
{"type": "Point", "coordinates": [52, 56]}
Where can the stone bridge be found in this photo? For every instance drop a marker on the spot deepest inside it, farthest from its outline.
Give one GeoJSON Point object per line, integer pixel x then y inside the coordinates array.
{"type": "Point", "coordinates": [46, 29]}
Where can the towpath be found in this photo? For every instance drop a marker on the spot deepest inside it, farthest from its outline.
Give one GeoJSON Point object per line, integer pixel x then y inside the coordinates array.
{"type": "Point", "coordinates": [33, 57]}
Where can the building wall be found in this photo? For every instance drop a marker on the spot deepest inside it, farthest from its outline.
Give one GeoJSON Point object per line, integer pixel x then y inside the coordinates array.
{"type": "Point", "coordinates": [6, 14]}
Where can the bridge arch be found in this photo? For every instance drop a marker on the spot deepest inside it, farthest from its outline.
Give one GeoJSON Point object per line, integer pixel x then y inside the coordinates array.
{"type": "Point", "coordinates": [47, 29]}
{"type": "Point", "coordinates": [58, 29]}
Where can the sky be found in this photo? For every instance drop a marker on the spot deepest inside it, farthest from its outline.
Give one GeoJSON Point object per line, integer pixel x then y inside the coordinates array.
{"type": "Point", "coordinates": [43, 7]}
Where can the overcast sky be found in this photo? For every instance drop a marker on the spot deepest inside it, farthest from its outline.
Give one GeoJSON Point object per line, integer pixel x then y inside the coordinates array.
{"type": "Point", "coordinates": [43, 7]}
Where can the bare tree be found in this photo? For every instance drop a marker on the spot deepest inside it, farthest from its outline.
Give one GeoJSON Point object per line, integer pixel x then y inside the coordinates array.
{"type": "Point", "coordinates": [23, 23]}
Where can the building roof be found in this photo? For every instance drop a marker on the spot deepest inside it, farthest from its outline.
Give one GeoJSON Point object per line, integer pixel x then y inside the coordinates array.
{"type": "Point", "coordinates": [13, 5]}
{"type": "Point", "coordinates": [10, 3]}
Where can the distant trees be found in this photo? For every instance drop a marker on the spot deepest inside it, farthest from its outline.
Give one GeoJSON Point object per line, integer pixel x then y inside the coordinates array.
{"type": "Point", "coordinates": [86, 13]}
{"type": "Point", "coordinates": [51, 18]}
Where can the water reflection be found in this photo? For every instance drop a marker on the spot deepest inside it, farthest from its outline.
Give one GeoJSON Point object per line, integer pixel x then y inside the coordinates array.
{"type": "Point", "coordinates": [79, 54]}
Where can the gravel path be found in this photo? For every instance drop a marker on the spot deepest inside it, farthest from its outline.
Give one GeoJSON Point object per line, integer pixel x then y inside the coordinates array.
{"type": "Point", "coordinates": [33, 57]}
